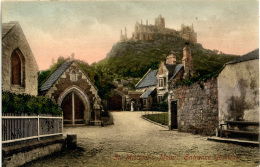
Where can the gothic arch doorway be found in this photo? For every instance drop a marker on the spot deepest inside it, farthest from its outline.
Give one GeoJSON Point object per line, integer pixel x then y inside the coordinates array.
{"type": "Point", "coordinates": [115, 103]}
{"type": "Point", "coordinates": [73, 109]}
{"type": "Point", "coordinates": [75, 105]}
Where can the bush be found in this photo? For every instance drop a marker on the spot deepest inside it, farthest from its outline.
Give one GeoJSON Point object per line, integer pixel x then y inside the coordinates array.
{"type": "Point", "coordinates": [163, 106]}
{"type": "Point", "coordinates": [23, 103]}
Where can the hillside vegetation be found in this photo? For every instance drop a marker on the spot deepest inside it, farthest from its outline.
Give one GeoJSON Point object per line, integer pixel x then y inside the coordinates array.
{"type": "Point", "coordinates": [134, 58]}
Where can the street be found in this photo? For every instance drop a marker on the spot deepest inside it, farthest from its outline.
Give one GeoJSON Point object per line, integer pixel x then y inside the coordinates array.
{"type": "Point", "coordinates": [133, 141]}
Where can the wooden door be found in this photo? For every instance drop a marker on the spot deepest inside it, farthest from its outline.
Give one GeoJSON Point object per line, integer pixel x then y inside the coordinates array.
{"type": "Point", "coordinates": [67, 109]}
{"type": "Point", "coordinates": [174, 114]}
{"type": "Point", "coordinates": [115, 103]}
{"type": "Point", "coordinates": [79, 109]}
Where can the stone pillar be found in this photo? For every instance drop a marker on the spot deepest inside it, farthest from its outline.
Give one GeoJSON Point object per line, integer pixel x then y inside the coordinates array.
{"type": "Point", "coordinates": [73, 108]}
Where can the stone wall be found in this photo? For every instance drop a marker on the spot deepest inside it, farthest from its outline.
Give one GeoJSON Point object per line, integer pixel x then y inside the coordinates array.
{"type": "Point", "coordinates": [15, 39]}
{"type": "Point", "coordinates": [24, 153]}
{"type": "Point", "coordinates": [197, 107]}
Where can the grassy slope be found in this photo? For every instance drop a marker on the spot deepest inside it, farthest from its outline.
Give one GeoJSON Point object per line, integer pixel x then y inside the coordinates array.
{"type": "Point", "coordinates": [134, 58]}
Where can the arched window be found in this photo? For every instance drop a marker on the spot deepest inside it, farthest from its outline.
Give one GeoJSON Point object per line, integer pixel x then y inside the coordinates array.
{"type": "Point", "coordinates": [17, 70]}
{"type": "Point", "coordinates": [73, 76]}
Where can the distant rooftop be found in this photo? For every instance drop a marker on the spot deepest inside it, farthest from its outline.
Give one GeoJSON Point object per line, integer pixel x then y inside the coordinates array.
{"type": "Point", "coordinates": [176, 70]}
{"type": "Point", "coordinates": [55, 76]}
{"type": "Point", "coordinates": [148, 80]}
{"type": "Point", "coordinates": [249, 56]}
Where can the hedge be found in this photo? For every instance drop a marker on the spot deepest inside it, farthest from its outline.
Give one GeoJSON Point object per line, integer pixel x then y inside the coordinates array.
{"type": "Point", "coordinates": [24, 103]}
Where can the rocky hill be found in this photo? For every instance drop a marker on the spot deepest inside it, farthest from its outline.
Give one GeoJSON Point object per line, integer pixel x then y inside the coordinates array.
{"type": "Point", "coordinates": [134, 58]}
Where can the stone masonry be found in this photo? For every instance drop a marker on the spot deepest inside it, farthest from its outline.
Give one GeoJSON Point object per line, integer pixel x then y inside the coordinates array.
{"type": "Point", "coordinates": [13, 39]}
{"type": "Point", "coordinates": [197, 107]}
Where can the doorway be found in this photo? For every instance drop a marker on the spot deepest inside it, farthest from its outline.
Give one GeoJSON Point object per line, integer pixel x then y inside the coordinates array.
{"type": "Point", "coordinates": [73, 109]}
{"type": "Point", "coordinates": [174, 113]}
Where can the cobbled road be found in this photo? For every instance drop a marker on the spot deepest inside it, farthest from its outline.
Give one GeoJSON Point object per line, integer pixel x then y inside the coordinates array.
{"type": "Point", "coordinates": [133, 141]}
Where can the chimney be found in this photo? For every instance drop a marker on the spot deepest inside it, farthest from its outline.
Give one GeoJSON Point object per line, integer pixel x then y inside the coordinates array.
{"type": "Point", "coordinates": [186, 54]}
{"type": "Point", "coordinates": [171, 59]}
{"type": "Point", "coordinates": [146, 22]}
{"type": "Point", "coordinates": [187, 61]}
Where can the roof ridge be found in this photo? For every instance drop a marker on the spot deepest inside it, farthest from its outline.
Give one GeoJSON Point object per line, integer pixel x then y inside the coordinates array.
{"type": "Point", "coordinates": [56, 78]}
{"type": "Point", "coordinates": [11, 22]}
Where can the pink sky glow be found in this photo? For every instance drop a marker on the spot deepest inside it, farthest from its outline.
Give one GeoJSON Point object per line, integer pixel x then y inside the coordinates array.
{"type": "Point", "coordinates": [90, 29]}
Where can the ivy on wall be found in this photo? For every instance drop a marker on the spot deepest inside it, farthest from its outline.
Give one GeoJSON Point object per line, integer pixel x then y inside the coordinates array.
{"type": "Point", "coordinates": [24, 103]}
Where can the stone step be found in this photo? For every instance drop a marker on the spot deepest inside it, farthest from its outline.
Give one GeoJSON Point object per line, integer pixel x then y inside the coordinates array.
{"type": "Point", "coordinates": [234, 141]}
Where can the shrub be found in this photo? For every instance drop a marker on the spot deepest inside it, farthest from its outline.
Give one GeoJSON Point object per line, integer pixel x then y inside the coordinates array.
{"type": "Point", "coordinates": [163, 106]}
{"type": "Point", "coordinates": [24, 103]}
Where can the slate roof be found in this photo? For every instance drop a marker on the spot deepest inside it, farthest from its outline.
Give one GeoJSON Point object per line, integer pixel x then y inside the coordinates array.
{"type": "Point", "coordinates": [170, 69]}
{"type": "Point", "coordinates": [249, 56]}
{"type": "Point", "coordinates": [148, 80]}
{"type": "Point", "coordinates": [147, 93]}
{"type": "Point", "coordinates": [176, 70]}
{"type": "Point", "coordinates": [7, 27]}
{"type": "Point", "coordinates": [55, 76]}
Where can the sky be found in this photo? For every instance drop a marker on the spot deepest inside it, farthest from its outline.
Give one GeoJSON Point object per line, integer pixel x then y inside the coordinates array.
{"type": "Point", "coordinates": [89, 29]}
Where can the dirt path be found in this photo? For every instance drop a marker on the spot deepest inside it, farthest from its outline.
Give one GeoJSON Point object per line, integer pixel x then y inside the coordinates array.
{"type": "Point", "coordinates": [132, 141]}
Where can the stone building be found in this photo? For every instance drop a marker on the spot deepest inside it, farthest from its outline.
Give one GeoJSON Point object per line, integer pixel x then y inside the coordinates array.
{"type": "Point", "coordinates": [123, 37]}
{"type": "Point", "coordinates": [75, 93]}
{"type": "Point", "coordinates": [122, 97]}
{"type": "Point", "coordinates": [147, 31]}
{"type": "Point", "coordinates": [238, 89]}
{"type": "Point", "coordinates": [155, 84]}
{"type": "Point", "coordinates": [147, 86]}
{"type": "Point", "coordinates": [19, 68]}
{"type": "Point", "coordinates": [192, 108]}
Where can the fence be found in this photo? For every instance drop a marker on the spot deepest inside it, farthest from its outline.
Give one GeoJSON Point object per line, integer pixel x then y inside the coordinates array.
{"type": "Point", "coordinates": [24, 127]}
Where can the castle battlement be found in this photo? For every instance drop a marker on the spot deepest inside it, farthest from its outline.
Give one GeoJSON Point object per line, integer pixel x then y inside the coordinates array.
{"type": "Point", "coordinates": [146, 32]}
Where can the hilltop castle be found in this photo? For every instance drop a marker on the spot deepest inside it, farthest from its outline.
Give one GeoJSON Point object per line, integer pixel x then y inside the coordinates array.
{"type": "Point", "coordinates": [146, 32]}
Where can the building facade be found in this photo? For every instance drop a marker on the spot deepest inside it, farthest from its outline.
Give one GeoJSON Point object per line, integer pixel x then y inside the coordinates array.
{"type": "Point", "coordinates": [147, 31]}
{"type": "Point", "coordinates": [75, 93]}
{"type": "Point", "coordinates": [19, 68]}
{"type": "Point", "coordinates": [238, 89]}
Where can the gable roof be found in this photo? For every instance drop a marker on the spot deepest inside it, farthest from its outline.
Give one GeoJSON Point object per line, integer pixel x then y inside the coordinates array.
{"type": "Point", "coordinates": [7, 27]}
{"type": "Point", "coordinates": [176, 70]}
{"type": "Point", "coordinates": [147, 93]}
{"type": "Point", "coordinates": [249, 56]}
{"type": "Point", "coordinates": [170, 68]}
{"type": "Point", "coordinates": [148, 80]}
{"type": "Point", "coordinates": [55, 76]}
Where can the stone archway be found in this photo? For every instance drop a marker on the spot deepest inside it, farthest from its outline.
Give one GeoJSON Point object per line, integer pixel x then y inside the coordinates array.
{"type": "Point", "coordinates": [115, 103]}
{"type": "Point", "coordinates": [73, 100]}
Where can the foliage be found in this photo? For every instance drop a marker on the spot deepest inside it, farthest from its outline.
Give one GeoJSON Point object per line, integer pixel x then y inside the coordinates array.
{"type": "Point", "coordinates": [24, 103]}
{"type": "Point", "coordinates": [163, 106]}
{"type": "Point", "coordinates": [134, 58]}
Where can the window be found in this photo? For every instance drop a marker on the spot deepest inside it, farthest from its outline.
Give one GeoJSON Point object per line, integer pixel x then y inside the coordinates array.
{"type": "Point", "coordinates": [159, 99]}
{"type": "Point", "coordinates": [162, 82]}
{"type": "Point", "coordinates": [73, 76]}
{"type": "Point", "coordinates": [145, 102]}
{"type": "Point", "coordinates": [17, 68]}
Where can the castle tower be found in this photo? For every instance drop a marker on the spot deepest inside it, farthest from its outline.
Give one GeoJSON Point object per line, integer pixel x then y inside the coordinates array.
{"type": "Point", "coordinates": [160, 22]}
{"type": "Point", "coordinates": [125, 33]}
{"type": "Point", "coordinates": [187, 62]}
